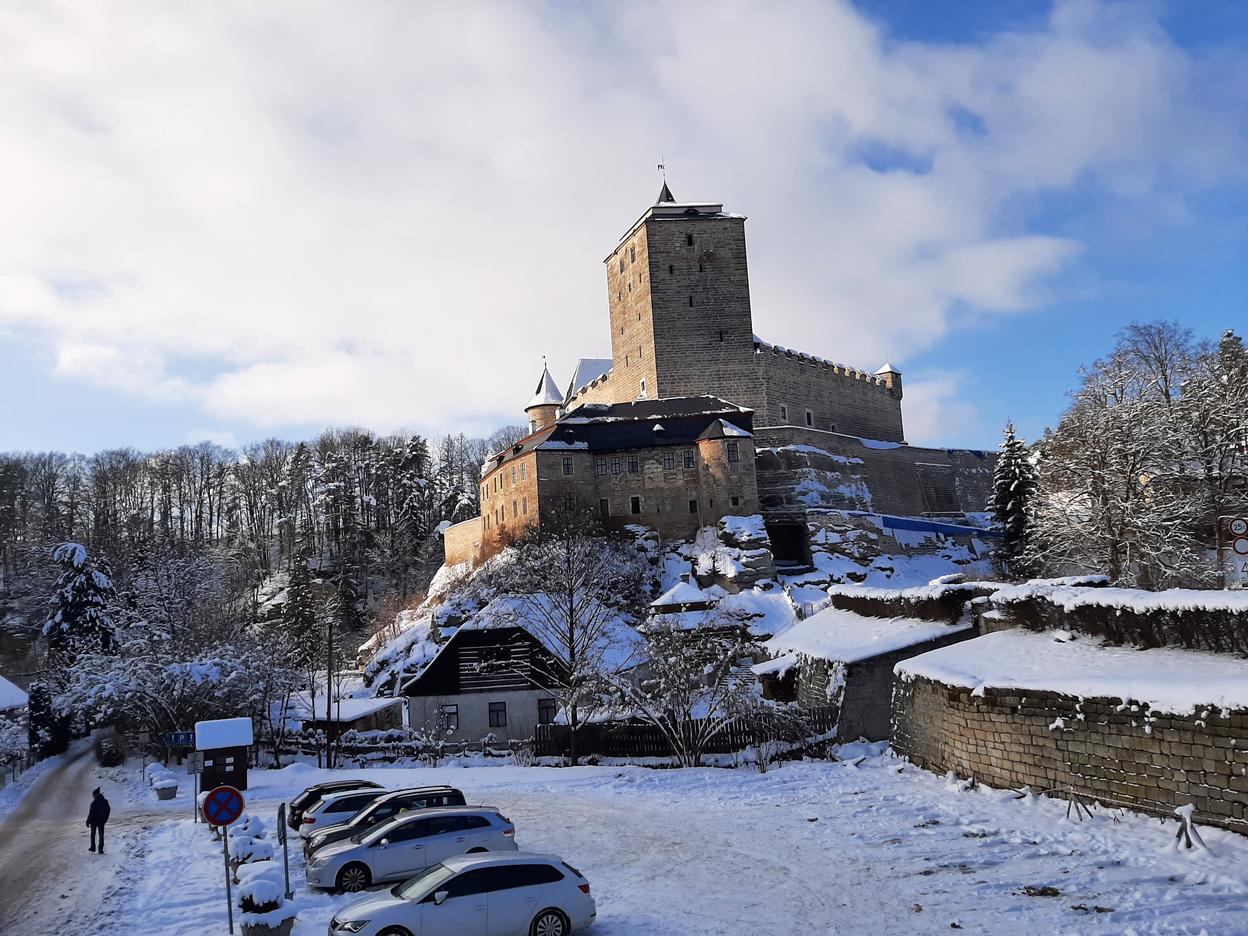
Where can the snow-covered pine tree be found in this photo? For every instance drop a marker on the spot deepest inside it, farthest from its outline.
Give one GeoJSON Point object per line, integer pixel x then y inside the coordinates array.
{"type": "Point", "coordinates": [1013, 483]}
{"type": "Point", "coordinates": [83, 600]}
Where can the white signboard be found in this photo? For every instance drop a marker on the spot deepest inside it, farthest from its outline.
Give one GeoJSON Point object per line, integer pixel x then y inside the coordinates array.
{"type": "Point", "coordinates": [223, 733]}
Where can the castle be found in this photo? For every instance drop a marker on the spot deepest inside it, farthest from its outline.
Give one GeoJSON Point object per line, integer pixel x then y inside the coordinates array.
{"type": "Point", "coordinates": [694, 417]}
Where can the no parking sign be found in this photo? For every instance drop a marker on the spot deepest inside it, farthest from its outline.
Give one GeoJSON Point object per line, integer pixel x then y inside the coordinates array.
{"type": "Point", "coordinates": [223, 806]}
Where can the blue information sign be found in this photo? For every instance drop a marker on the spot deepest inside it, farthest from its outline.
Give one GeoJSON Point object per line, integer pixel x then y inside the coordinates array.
{"type": "Point", "coordinates": [180, 739]}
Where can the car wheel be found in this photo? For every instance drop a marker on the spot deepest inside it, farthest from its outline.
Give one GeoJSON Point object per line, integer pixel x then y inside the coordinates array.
{"type": "Point", "coordinates": [394, 931]}
{"type": "Point", "coordinates": [550, 922]}
{"type": "Point", "coordinates": [354, 877]}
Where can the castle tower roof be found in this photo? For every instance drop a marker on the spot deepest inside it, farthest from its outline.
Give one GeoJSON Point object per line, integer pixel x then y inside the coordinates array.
{"type": "Point", "coordinates": [547, 393]}
{"type": "Point", "coordinates": [887, 368]}
{"type": "Point", "coordinates": [665, 195]}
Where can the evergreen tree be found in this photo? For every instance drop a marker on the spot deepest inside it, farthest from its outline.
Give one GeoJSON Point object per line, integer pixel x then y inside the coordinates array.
{"type": "Point", "coordinates": [1013, 483]}
{"type": "Point", "coordinates": [48, 731]}
{"type": "Point", "coordinates": [81, 618]}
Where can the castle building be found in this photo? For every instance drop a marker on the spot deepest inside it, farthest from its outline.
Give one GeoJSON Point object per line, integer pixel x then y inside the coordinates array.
{"type": "Point", "coordinates": [694, 417]}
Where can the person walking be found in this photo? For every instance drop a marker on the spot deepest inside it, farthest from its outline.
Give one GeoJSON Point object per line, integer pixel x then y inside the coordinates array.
{"type": "Point", "coordinates": [97, 815]}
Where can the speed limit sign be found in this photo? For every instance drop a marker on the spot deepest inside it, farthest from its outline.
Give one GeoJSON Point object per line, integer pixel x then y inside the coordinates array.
{"type": "Point", "coordinates": [1239, 526]}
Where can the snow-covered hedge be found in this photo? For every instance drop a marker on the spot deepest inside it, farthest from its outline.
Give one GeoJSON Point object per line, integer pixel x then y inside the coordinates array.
{"type": "Point", "coordinates": [943, 599]}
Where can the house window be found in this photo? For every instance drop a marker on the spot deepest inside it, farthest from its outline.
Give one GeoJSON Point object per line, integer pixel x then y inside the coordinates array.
{"type": "Point", "coordinates": [513, 474]}
{"type": "Point", "coordinates": [522, 471]}
{"type": "Point", "coordinates": [734, 454]}
{"type": "Point", "coordinates": [810, 418]}
{"type": "Point", "coordinates": [735, 501]}
{"type": "Point", "coordinates": [604, 508]}
{"type": "Point", "coordinates": [615, 466]}
{"type": "Point", "coordinates": [600, 467]}
{"type": "Point", "coordinates": [567, 466]}
{"type": "Point", "coordinates": [450, 717]}
{"type": "Point", "coordinates": [633, 464]}
{"type": "Point", "coordinates": [546, 711]}
{"type": "Point", "coordinates": [669, 461]}
{"type": "Point", "coordinates": [515, 512]}
{"type": "Point", "coordinates": [642, 394]}
{"type": "Point", "coordinates": [524, 506]}
{"type": "Point", "coordinates": [498, 714]}
{"type": "Point", "coordinates": [688, 458]}
{"type": "Point", "coordinates": [634, 505]}
{"type": "Point", "coordinates": [689, 240]}
{"type": "Point", "coordinates": [632, 254]}
{"type": "Point", "coordinates": [784, 413]}
{"type": "Point", "coordinates": [693, 506]}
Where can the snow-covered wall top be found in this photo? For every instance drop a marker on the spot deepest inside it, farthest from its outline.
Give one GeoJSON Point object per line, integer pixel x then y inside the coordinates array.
{"type": "Point", "coordinates": [833, 634]}
{"type": "Point", "coordinates": [223, 733]}
{"type": "Point", "coordinates": [1167, 679]}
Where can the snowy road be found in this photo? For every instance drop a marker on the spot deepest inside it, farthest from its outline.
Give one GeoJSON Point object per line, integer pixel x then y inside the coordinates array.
{"type": "Point", "coordinates": [878, 848]}
{"type": "Point", "coordinates": [51, 883]}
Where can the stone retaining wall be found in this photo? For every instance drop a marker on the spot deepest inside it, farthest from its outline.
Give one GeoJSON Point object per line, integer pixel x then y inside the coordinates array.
{"type": "Point", "coordinates": [1097, 747]}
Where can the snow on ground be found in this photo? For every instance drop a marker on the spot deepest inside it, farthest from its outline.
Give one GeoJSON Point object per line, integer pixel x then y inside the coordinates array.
{"type": "Point", "coordinates": [879, 848]}
{"type": "Point", "coordinates": [1168, 679]}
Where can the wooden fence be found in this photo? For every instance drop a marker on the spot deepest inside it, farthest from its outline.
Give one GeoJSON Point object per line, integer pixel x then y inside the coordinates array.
{"type": "Point", "coordinates": [634, 739]}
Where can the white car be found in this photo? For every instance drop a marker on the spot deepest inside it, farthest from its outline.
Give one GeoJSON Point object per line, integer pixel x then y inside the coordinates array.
{"type": "Point", "coordinates": [406, 845]}
{"type": "Point", "coordinates": [522, 894]}
{"type": "Point", "coordinates": [333, 808]}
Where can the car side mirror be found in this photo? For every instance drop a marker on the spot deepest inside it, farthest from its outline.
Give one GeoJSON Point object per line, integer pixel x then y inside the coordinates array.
{"type": "Point", "coordinates": [440, 896]}
{"type": "Point", "coordinates": [383, 843]}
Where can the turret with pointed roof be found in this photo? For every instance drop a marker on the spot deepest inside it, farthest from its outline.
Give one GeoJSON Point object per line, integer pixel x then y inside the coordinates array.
{"type": "Point", "coordinates": [544, 408]}
{"type": "Point", "coordinates": [665, 195]}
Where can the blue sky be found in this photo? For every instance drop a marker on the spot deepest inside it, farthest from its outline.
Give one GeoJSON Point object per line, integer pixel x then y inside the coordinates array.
{"type": "Point", "coordinates": [224, 223]}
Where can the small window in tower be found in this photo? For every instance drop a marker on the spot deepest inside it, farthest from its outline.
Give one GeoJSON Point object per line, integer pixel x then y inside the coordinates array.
{"type": "Point", "coordinates": [639, 354]}
{"type": "Point", "coordinates": [626, 360]}
{"type": "Point", "coordinates": [810, 418]}
{"type": "Point", "coordinates": [671, 269]}
{"type": "Point", "coordinates": [689, 240]}
{"type": "Point", "coordinates": [701, 269]}
{"type": "Point", "coordinates": [621, 329]}
{"type": "Point", "coordinates": [632, 254]}
{"type": "Point", "coordinates": [693, 506]}
{"type": "Point", "coordinates": [630, 285]}
{"type": "Point", "coordinates": [691, 302]}
{"type": "Point", "coordinates": [643, 389]}
{"type": "Point", "coordinates": [621, 264]}
{"type": "Point", "coordinates": [721, 334]}
{"type": "Point", "coordinates": [735, 501]}
{"type": "Point", "coordinates": [604, 508]}
{"type": "Point", "coordinates": [634, 504]}
{"type": "Point", "coordinates": [734, 453]}
{"type": "Point", "coordinates": [567, 466]}
{"type": "Point", "coordinates": [784, 413]}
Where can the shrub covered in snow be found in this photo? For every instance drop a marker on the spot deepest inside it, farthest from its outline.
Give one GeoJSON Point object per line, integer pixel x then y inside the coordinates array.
{"type": "Point", "coordinates": [263, 904]}
{"type": "Point", "coordinates": [941, 600]}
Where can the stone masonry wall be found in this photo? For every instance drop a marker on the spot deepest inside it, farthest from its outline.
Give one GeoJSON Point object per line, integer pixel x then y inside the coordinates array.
{"type": "Point", "coordinates": [838, 399]}
{"type": "Point", "coordinates": [462, 542]}
{"type": "Point", "coordinates": [1097, 747]}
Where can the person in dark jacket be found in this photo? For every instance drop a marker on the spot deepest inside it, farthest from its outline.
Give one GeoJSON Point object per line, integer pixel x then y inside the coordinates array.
{"type": "Point", "coordinates": [97, 816]}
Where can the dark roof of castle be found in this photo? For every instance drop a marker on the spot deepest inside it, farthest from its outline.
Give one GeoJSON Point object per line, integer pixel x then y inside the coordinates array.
{"type": "Point", "coordinates": [603, 427]}
{"type": "Point", "coordinates": [665, 195]}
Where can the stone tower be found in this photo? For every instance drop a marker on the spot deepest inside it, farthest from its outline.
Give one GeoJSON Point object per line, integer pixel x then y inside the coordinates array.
{"type": "Point", "coordinates": [544, 408]}
{"type": "Point", "coordinates": [679, 295]}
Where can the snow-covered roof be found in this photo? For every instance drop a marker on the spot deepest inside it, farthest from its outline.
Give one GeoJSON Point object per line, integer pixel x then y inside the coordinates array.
{"type": "Point", "coordinates": [833, 634]}
{"type": "Point", "coordinates": [587, 371]}
{"type": "Point", "coordinates": [547, 393]}
{"type": "Point", "coordinates": [1166, 678]}
{"type": "Point", "coordinates": [681, 593]}
{"type": "Point", "coordinates": [887, 368]}
{"type": "Point", "coordinates": [223, 733]}
{"type": "Point", "coordinates": [11, 697]}
{"type": "Point", "coordinates": [344, 710]}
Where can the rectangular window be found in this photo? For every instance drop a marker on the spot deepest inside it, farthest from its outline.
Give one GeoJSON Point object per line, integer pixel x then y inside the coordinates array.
{"type": "Point", "coordinates": [671, 269]}
{"type": "Point", "coordinates": [632, 254]}
{"type": "Point", "coordinates": [784, 413]}
{"type": "Point", "coordinates": [810, 418]}
{"type": "Point", "coordinates": [515, 512]}
{"type": "Point", "coordinates": [634, 504]}
{"type": "Point", "coordinates": [734, 453]}
{"type": "Point", "coordinates": [642, 394]}
{"type": "Point", "coordinates": [689, 240]}
{"type": "Point", "coordinates": [524, 506]}
{"type": "Point", "coordinates": [633, 464]}
{"type": "Point", "coordinates": [615, 466]}
{"type": "Point", "coordinates": [669, 461]}
{"type": "Point", "coordinates": [522, 471]}
{"type": "Point", "coordinates": [450, 717]}
{"type": "Point", "coordinates": [688, 458]}
{"type": "Point", "coordinates": [735, 501]}
{"type": "Point", "coordinates": [621, 264]}
{"type": "Point", "coordinates": [693, 506]}
{"type": "Point", "coordinates": [600, 467]}
{"type": "Point", "coordinates": [604, 508]}
{"type": "Point", "coordinates": [567, 466]}
{"type": "Point", "coordinates": [513, 474]}
{"type": "Point", "coordinates": [546, 711]}
{"type": "Point", "coordinates": [498, 714]}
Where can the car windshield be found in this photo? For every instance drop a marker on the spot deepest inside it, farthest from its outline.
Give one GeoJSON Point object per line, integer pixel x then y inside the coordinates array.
{"type": "Point", "coordinates": [416, 888]}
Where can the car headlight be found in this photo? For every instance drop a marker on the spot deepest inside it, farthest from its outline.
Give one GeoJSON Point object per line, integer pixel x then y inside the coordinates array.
{"type": "Point", "coordinates": [352, 926]}
{"type": "Point", "coordinates": [316, 863]}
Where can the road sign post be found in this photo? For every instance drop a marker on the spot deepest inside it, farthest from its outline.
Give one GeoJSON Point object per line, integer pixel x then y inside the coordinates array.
{"type": "Point", "coordinates": [1233, 551]}
{"type": "Point", "coordinates": [223, 806]}
{"type": "Point", "coordinates": [283, 837]}
{"type": "Point", "coordinates": [194, 767]}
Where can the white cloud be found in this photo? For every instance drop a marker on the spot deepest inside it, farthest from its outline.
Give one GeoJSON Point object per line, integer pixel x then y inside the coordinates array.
{"type": "Point", "coordinates": [936, 412]}
{"type": "Point", "coordinates": [385, 214]}
{"type": "Point", "coordinates": [221, 437]}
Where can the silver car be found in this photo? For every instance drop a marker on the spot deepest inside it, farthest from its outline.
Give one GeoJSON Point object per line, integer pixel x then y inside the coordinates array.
{"type": "Point", "coordinates": [336, 807]}
{"type": "Point", "coordinates": [521, 894]}
{"type": "Point", "coordinates": [407, 845]}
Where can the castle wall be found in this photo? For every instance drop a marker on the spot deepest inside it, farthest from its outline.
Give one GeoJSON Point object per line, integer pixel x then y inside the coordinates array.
{"type": "Point", "coordinates": [632, 324]}
{"type": "Point", "coordinates": [839, 399]}
{"type": "Point", "coordinates": [509, 499]}
{"type": "Point", "coordinates": [462, 542]}
{"type": "Point", "coordinates": [800, 468]}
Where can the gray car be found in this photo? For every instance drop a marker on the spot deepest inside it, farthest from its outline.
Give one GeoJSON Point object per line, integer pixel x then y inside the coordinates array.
{"type": "Point", "coordinates": [407, 845]}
